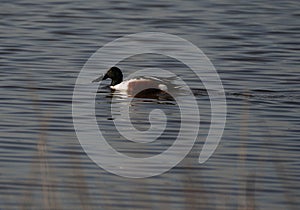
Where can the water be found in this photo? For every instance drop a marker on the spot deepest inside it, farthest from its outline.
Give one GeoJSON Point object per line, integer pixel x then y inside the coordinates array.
{"type": "Point", "coordinates": [254, 46]}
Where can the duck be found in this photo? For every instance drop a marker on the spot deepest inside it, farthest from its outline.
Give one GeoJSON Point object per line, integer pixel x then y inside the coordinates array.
{"type": "Point", "coordinates": [137, 87]}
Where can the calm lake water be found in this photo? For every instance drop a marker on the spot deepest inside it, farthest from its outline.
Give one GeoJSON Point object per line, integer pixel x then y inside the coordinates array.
{"type": "Point", "coordinates": [253, 45]}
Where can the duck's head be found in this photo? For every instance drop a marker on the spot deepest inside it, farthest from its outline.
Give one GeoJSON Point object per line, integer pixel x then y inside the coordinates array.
{"type": "Point", "coordinates": [115, 74]}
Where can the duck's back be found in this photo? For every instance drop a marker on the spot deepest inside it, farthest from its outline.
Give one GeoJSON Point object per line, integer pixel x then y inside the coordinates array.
{"type": "Point", "coordinates": [135, 86]}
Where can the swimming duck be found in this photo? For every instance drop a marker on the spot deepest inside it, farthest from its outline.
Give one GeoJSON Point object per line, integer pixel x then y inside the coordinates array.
{"type": "Point", "coordinates": [137, 87]}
